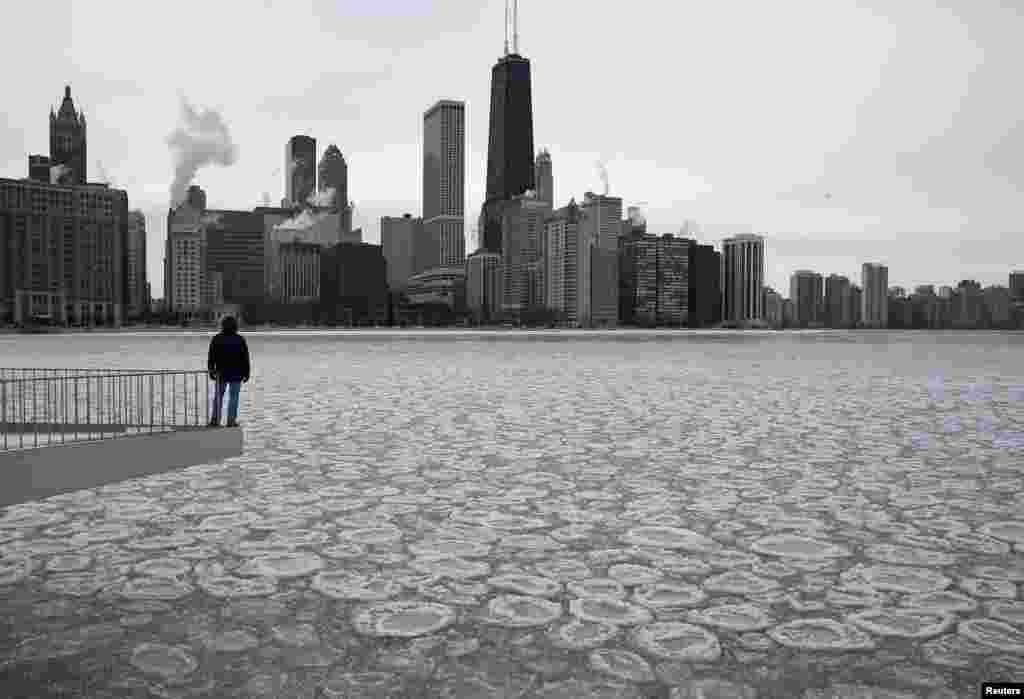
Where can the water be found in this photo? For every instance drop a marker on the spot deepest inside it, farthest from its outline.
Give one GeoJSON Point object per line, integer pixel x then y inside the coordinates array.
{"type": "Point", "coordinates": [592, 515]}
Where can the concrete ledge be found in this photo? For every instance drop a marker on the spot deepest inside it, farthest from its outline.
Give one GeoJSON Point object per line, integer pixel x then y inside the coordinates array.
{"type": "Point", "coordinates": [33, 474]}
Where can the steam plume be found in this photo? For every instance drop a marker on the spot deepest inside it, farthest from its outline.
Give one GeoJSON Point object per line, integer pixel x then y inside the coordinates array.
{"type": "Point", "coordinates": [300, 222]}
{"type": "Point", "coordinates": [201, 138]}
{"type": "Point", "coordinates": [266, 199]}
{"type": "Point", "coordinates": [58, 173]}
{"type": "Point", "coordinates": [636, 215]}
{"type": "Point", "coordinates": [104, 175]}
{"type": "Point", "coordinates": [602, 172]}
{"type": "Point", "coordinates": [322, 199]}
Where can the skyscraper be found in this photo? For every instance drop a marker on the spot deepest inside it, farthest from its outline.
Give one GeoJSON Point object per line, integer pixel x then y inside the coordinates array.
{"type": "Point", "coordinates": [805, 289]}
{"type": "Point", "coordinates": [874, 279]}
{"type": "Point", "coordinates": [544, 178]}
{"type": "Point", "coordinates": [444, 156]}
{"type": "Point", "coordinates": [300, 169]}
{"type": "Point", "coordinates": [838, 311]}
{"type": "Point", "coordinates": [523, 222]}
{"type": "Point", "coordinates": [67, 143]}
{"type": "Point", "coordinates": [333, 174]}
{"type": "Point", "coordinates": [510, 160]}
{"type": "Point", "coordinates": [398, 238]}
{"type": "Point", "coordinates": [135, 265]}
{"type": "Point", "coordinates": [1017, 286]}
{"type": "Point", "coordinates": [742, 280]}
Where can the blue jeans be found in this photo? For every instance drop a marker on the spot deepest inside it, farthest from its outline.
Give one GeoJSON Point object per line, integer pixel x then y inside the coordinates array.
{"type": "Point", "coordinates": [218, 399]}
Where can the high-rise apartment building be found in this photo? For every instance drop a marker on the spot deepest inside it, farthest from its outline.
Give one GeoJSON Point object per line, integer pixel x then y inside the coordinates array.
{"type": "Point", "coordinates": [522, 231]}
{"type": "Point", "coordinates": [444, 174]}
{"type": "Point", "coordinates": [510, 154]}
{"type": "Point", "coordinates": [1016, 285]}
{"type": "Point", "coordinates": [543, 178]}
{"type": "Point", "coordinates": [705, 305]}
{"type": "Point", "coordinates": [484, 286]}
{"type": "Point", "coordinates": [742, 280]}
{"type": "Point", "coordinates": [562, 285]}
{"type": "Point", "coordinates": [838, 313]}
{"type": "Point", "coordinates": [874, 279]}
{"type": "Point", "coordinates": [806, 290]}
{"type": "Point", "coordinates": [655, 280]}
{"type": "Point", "coordinates": [300, 169]}
{"type": "Point", "coordinates": [68, 161]}
{"type": "Point", "coordinates": [398, 239]}
{"type": "Point", "coordinates": [603, 216]}
{"type": "Point", "coordinates": [135, 265]}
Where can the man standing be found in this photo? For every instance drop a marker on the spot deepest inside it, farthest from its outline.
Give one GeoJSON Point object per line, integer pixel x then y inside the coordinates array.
{"type": "Point", "coordinates": [228, 364]}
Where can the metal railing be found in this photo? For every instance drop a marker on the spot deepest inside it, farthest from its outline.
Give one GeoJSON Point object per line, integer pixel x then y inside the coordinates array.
{"type": "Point", "coordinates": [42, 407]}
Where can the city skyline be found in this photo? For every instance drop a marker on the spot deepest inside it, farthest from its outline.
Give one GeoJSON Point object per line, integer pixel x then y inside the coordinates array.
{"type": "Point", "coordinates": [838, 146]}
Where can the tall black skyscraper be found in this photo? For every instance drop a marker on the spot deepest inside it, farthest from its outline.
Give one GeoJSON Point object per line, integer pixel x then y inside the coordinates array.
{"type": "Point", "coordinates": [510, 147]}
{"type": "Point", "coordinates": [300, 169]}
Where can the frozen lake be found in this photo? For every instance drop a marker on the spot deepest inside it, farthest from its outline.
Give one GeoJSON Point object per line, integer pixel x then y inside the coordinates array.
{"type": "Point", "coordinates": [449, 514]}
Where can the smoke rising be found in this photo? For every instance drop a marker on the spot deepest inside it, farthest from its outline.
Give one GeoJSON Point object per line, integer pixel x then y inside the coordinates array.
{"type": "Point", "coordinates": [602, 172]}
{"type": "Point", "coordinates": [59, 173]}
{"type": "Point", "coordinates": [103, 174]}
{"type": "Point", "coordinates": [201, 139]}
{"type": "Point", "coordinates": [636, 216]}
{"type": "Point", "coordinates": [323, 199]}
{"type": "Point", "coordinates": [305, 219]}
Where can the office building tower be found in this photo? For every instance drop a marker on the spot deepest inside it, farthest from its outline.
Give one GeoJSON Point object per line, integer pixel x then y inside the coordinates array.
{"type": "Point", "coordinates": [522, 230]}
{"type": "Point", "coordinates": [333, 174]}
{"type": "Point", "coordinates": [510, 154]}
{"type": "Point", "coordinates": [398, 239]}
{"type": "Point", "coordinates": [874, 279]}
{"type": "Point", "coordinates": [1016, 285]}
{"type": "Point", "coordinates": [185, 262]}
{"type": "Point", "coordinates": [135, 265]}
{"type": "Point", "coordinates": [742, 280]}
{"type": "Point", "coordinates": [353, 285]}
{"type": "Point", "coordinates": [543, 178]}
{"type": "Point", "coordinates": [806, 290]}
{"type": "Point", "coordinates": [236, 247]}
{"type": "Point", "coordinates": [837, 302]}
{"type": "Point", "coordinates": [68, 143]}
{"type": "Point", "coordinates": [484, 286]}
{"type": "Point", "coordinates": [444, 168]}
{"type": "Point", "coordinates": [705, 305]}
{"type": "Point", "coordinates": [300, 272]}
{"type": "Point", "coordinates": [62, 252]}
{"type": "Point", "coordinates": [300, 169]}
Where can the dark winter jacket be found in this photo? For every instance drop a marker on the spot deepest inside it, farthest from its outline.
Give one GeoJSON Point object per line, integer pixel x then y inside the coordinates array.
{"type": "Point", "coordinates": [229, 357]}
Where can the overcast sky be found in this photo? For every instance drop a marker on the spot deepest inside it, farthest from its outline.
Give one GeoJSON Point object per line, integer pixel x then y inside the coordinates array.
{"type": "Point", "coordinates": [844, 130]}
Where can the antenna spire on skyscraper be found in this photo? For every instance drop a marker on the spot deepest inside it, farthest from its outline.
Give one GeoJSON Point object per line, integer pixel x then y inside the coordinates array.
{"type": "Point", "coordinates": [515, 27]}
{"type": "Point", "coordinates": [506, 27]}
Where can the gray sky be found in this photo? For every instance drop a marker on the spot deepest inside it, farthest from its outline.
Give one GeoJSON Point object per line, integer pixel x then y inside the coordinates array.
{"type": "Point", "coordinates": [739, 114]}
